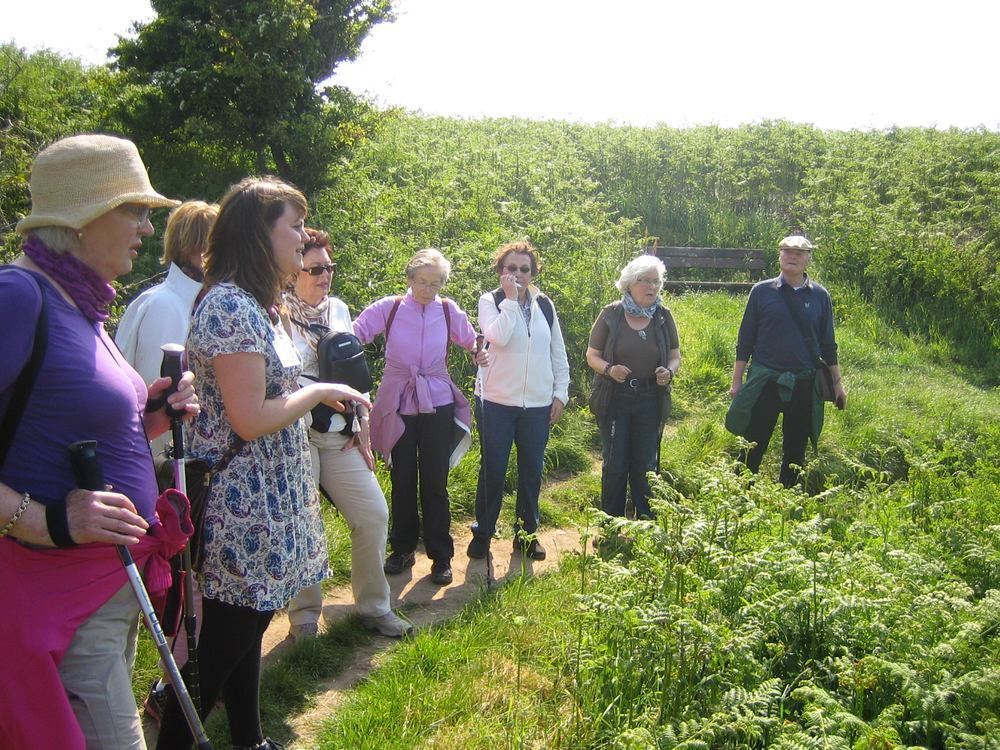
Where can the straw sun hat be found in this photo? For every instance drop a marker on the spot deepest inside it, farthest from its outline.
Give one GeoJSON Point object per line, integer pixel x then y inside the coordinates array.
{"type": "Point", "coordinates": [79, 178]}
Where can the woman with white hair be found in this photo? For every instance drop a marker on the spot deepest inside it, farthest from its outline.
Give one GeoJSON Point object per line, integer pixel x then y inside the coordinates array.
{"type": "Point", "coordinates": [635, 354]}
{"type": "Point", "coordinates": [421, 420]}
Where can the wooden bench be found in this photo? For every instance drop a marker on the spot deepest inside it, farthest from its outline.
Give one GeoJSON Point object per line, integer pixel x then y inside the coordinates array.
{"type": "Point", "coordinates": [736, 262]}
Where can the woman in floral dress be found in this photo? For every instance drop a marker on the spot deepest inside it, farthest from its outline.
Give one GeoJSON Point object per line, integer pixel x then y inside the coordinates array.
{"type": "Point", "coordinates": [262, 537]}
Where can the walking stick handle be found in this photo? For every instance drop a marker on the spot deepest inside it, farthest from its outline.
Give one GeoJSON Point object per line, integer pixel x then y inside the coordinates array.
{"type": "Point", "coordinates": [172, 367]}
{"type": "Point", "coordinates": [88, 474]}
{"type": "Point", "coordinates": [86, 467]}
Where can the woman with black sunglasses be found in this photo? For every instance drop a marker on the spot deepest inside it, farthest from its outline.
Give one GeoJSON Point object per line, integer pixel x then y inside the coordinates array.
{"type": "Point", "coordinates": [518, 397]}
{"type": "Point", "coordinates": [342, 461]}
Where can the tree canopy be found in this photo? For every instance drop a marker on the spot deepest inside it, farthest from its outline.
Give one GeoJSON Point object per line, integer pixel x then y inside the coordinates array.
{"type": "Point", "coordinates": [242, 78]}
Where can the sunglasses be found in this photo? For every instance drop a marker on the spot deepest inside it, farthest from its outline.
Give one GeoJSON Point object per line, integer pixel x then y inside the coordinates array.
{"type": "Point", "coordinates": [514, 269]}
{"type": "Point", "coordinates": [320, 270]}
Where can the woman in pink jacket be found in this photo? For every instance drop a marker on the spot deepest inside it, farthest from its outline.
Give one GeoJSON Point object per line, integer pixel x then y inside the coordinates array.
{"type": "Point", "coordinates": [420, 422]}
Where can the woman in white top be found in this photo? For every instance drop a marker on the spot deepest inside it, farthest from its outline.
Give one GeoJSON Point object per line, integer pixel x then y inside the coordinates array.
{"type": "Point", "coordinates": [162, 314]}
{"type": "Point", "coordinates": [520, 394]}
{"type": "Point", "coordinates": [342, 461]}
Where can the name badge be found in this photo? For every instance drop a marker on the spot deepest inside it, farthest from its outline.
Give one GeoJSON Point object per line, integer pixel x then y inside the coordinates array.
{"type": "Point", "coordinates": [285, 350]}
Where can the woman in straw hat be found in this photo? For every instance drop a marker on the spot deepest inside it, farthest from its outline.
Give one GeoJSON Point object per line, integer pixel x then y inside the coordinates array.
{"type": "Point", "coordinates": [69, 620]}
{"type": "Point", "coordinates": [263, 538]}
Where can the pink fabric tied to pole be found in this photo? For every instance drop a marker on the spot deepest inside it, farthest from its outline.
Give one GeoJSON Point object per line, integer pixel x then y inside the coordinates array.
{"type": "Point", "coordinates": [45, 595]}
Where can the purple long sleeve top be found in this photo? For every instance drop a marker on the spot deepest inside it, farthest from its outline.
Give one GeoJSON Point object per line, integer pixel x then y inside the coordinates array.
{"type": "Point", "coordinates": [418, 339]}
{"type": "Point", "coordinates": [416, 377]}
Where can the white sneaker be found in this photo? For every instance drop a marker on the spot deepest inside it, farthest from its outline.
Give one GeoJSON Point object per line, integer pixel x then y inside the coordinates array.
{"type": "Point", "coordinates": [388, 625]}
{"type": "Point", "coordinates": [303, 632]}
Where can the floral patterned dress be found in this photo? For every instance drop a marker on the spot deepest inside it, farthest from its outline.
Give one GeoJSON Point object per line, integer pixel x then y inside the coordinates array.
{"type": "Point", "coordinates": [263, 535]}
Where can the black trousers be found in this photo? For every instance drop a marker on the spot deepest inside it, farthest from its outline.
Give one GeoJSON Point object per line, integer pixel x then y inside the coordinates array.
{"type": "Point", "coordinates": [796, 426]}
{"type": "Point", "coordinates": [229, 663]}
{"type": "Point", "coordinates": [420, 467]}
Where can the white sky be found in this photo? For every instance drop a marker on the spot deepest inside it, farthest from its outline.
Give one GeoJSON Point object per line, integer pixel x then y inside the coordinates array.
{"type": "Point", "coordinates": [833, 63]}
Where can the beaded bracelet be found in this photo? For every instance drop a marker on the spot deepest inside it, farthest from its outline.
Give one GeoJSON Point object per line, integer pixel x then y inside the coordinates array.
{"type": "Point", "coordinates": [17, 514]}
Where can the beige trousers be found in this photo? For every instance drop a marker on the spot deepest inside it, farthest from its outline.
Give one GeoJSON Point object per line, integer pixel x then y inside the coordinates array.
{"type": "Point", "coordinates": [97, 674]}
{"type": "Point", "coordinates": [348, 481]}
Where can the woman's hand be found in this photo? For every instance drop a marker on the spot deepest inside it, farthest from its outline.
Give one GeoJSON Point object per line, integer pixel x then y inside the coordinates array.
{"type": "Point", "coordinates": [482, 357]}
{"type": "Point", "coordinates": [619, 373]}
{"type": "Point", "coordinates": [107, 517]}
{"type": "Point", "coordinates": [362, 441]}
{"type": "Point", "coordinates": [508, 282]}
{"type": "Point", "coordinates": [184, 400]}
{"type": "Point", "coordinates": [664, 376]}
{"type": "Point", "coordinates": [335, 394]}
{"type": "Point", "coordinates": [556, 410]}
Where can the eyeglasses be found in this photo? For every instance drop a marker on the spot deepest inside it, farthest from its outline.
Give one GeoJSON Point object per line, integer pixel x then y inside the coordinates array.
{"type": "Point", "coordinates": [514, 269]}
{"type": "Point", "coordinates": [427, 284]}
{"type": "Point", "coordinates": [320, 270]}
{"type": "Point", "coordinates": [650, 282]}
{"type": "Point", "coordinates": [141, 213]}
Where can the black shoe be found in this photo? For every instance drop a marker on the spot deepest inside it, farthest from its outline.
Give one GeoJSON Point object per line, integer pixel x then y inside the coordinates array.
{"type": "Point", "coordinates": [479, 547]}
{"type": "Point", "coordinates": [266, 744]}
{"type": "Point", "coordinates": [156, 702]}
{"type": "Point", "coordinates": [441, 572]}
{"type": "Point", "coordinates": [532, 549]}
{"type": "Point", "coordinates": [397, 562]}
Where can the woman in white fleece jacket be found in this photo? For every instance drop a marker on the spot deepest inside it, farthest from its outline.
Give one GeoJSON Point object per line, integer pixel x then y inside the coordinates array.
{"type": "Point", "coordinates": [518, 396]}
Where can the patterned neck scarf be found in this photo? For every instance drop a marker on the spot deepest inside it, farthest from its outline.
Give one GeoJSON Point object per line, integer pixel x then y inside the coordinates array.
{"type": "Point", "coordinates": [301, 311]}
{"type": "Point", "coordinates": [632, 308]}
{"type": "Point", "coordinates": [86, 288]}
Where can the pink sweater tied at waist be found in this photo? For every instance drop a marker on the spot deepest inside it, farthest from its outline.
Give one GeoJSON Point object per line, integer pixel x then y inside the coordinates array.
{"type": "Point", "coordinates": [402, 384]}
{"type": "Point", "coordinates": [45, 595]}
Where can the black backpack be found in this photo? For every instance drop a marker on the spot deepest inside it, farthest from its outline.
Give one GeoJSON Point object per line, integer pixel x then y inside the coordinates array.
{"type": "Point", "coordinates": [544, 303]}
{"type": "Point", "coordinates": [341, 359]}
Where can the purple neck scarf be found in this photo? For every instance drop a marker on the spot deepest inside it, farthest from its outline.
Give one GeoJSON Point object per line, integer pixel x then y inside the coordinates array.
{"type": "Point", "coordinates": [90, 292]}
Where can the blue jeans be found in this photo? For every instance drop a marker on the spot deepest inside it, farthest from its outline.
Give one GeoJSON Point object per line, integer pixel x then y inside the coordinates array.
{"type": "Point", "coordinates": [630, 447]}
{"type": "Point", "coordinates": [500, 427]}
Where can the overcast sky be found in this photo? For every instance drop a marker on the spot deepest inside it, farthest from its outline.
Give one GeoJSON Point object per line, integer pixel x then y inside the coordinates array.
{"type": "Point", "coordinates": [832, 63]}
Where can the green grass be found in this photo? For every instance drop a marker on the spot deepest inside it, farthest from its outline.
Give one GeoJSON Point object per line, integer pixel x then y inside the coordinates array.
{"type": "Point", "coordinates": [863, 614]}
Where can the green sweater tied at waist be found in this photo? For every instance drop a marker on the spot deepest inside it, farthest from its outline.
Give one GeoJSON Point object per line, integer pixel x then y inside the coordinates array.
{"type": "Point", "coordinates": [738, 416]}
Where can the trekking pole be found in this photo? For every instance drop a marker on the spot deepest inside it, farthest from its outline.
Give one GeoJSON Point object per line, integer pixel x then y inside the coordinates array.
{"type": "Point", "coordinates": [87, 470]}
{"type": "Point", "coordinates": [171, 367]}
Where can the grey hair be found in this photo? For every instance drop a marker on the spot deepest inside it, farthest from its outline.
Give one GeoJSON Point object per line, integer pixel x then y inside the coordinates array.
{"type": "Point", "coordinates": [636, 268]}
{"type": "Point", "coordinates": [426, 258]}
{"type": "Point", "coordinates": [57, 239]}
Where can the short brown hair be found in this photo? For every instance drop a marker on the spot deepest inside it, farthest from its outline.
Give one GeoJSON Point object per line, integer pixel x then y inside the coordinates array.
{"type": "Point", "coordinates": [187, 231]}
{"type": "Point", "coordinates": [522, 247]}
{"type": "Point", "coordinates": [317, 238]}
{"type": "Point", "coordinates": [239, 246]}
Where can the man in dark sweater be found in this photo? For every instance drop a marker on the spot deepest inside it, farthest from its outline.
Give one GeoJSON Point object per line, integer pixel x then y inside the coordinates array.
{"type": "Point", "coordinates": [781, 378]}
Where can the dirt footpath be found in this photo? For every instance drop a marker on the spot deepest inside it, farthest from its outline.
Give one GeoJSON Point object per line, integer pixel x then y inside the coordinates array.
{"type": "Point", "coordinates": [421, 602]}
